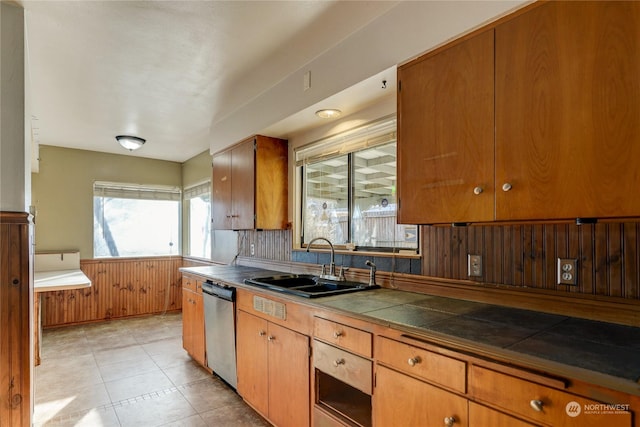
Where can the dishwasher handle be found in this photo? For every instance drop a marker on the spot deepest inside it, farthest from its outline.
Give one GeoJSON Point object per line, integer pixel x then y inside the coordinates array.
{"type": "Point", "coordinates": [220, 291]}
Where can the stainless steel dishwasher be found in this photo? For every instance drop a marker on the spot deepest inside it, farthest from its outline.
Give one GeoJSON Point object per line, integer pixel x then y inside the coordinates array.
{"type": "Point", "coordinates": [220, 330]}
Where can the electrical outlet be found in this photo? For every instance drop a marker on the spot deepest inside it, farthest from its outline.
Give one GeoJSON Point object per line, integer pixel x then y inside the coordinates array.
{"type": "Point", "coordinates": [474, 265]}
{"type": "Point", "coordinates": [253, 249]}
{"type": "Point", "coordinates": [567, 271]}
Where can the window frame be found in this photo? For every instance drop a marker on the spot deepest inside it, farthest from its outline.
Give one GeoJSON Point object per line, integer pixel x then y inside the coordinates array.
{"type": "Point", "coordinates": [373, 134]}
{"type": "Point", "coordinates": [149, 192]}
{"type": "Point", "coordinates": [189, 193]}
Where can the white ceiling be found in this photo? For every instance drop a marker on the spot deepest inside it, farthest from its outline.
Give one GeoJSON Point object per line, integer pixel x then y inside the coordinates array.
{"type": "Point", "coordinates": [195, 75]}
{"type": "Point", "coordinates": [167, 70]}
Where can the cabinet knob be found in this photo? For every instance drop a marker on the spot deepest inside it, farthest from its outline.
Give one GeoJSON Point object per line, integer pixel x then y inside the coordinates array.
{"type": "Point", "coordinates": [338, 362]}
{"type": "Point", "coordinates": [477, 190]}
{"type": "Point", "coordinates": [271, 338]}
{"type": "Point", "coordinates": [262, 333]}
{"type": "Point", "coordinates": [338, 334]}
{"type": "Point", "coordinates": [536, 405]}
{"type": "Point", "coordinates": [413, 361]}
{"type": "Point", "coordinates": [449, 421]}
{"type": "Point", "coordinates": [506, 186]}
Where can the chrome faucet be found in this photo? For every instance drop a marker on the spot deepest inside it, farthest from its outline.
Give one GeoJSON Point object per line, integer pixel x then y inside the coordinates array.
{"type": "Point", "coordinates": [372, 273]}
{"type": "Point", "coordinates": [332, 265]}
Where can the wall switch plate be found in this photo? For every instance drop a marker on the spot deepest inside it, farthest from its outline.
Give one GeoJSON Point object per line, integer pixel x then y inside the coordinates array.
{"type": "Point", "coordinates": [567, 271]}
{"type": "Point", "coordinates": [474, 265]}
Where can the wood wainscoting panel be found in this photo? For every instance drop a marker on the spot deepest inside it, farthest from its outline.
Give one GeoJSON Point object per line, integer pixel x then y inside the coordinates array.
{"type": "Point", "coordinates": [16, 318]}
{"type": "Point", "coordinates": [119, 288]}
{"type": "Point", "coordinates": [525, 255]}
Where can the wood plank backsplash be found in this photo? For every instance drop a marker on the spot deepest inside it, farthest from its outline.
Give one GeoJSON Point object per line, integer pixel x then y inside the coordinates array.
{"type": "Point", "coordinates": [267, 244]}
{"type": "Point", "coordinates": [526, 255]}
{"type": "Point", "coordinates": [119, 288]}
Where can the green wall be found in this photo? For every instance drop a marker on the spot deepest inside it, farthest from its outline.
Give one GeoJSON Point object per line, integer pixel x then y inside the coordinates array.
{"type": "Point", "coordinates": [62, 192]}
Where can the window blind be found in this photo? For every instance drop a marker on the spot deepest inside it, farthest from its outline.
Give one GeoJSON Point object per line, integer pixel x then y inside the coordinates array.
{"type": "Point", "coordinates": [136, 191]}
{"type": "Point", "coordinates": [197, 190]}
{"type": "Point", "coordinates": [372, 134]}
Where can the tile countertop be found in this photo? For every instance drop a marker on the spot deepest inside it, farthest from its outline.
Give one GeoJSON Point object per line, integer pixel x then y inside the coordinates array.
{"type": "Point", "coordinates": [603, 348]}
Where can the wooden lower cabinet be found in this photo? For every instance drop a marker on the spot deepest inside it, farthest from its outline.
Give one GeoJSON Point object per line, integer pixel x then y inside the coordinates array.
{"type": "Point", "coordinates": [193, 338]}
{"type": "Point", "coordinates": [540, 403]}
{"type": "Point", "coordinates": [273, 370]}
{"type": "Point", "coordinates": [481, 416]}
{"type": "Point", "coordinates": [401, 400]}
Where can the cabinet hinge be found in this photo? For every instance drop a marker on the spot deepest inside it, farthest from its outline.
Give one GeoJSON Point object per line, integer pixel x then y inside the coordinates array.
{"type": "Point", "coordinates": [309, 351]}
{"type": "Point", "coordinates": [399, 85]}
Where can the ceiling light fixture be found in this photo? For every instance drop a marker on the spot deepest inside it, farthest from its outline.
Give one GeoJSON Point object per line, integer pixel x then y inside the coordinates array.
{"type": "Point", "coordinates": [130, 142]}
{"type": "Point", "coordinates": [329, 113]}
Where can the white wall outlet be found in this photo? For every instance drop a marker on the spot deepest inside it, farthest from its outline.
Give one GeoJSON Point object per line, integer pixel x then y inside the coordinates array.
{"type": "Point", "coordinates": [252, 248]}
{"type": "Point", "coordinates": [474, 265]}
{"type": "Point", "coordinates": [567, 271]}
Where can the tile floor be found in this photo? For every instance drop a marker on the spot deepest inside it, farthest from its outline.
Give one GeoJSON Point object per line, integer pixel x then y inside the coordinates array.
{"type": "Point", "coordinates": [130, 372]}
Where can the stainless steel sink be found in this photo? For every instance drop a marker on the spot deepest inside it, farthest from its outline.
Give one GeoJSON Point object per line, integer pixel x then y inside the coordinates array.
{"type": "Point", "coordinates": [307, 285]}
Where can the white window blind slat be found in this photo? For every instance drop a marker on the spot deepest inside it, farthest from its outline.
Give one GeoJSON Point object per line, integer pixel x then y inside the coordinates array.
{"type": "Point", "coordinates": [197, 190]}
{"type": "Point", "coordinates": [373, 134]}
{"type": "Point", "coordinates": [136, 191]}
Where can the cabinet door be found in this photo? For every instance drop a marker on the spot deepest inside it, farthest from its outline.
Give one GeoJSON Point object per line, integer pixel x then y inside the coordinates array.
{"type": "Point", "coordinates": [289, 394]}
{"type": "Point", "coordinates": [252, 362]}
{"type": "Point", "coordinates": [187, 320]}
{"type": "Point", "coordinates": [197, 330]}
{"type": "Point", "coordinates": [243, 186]}
{"type": "Point", "coordinates": [400, 400]}
{"type": "Point", "coordinates": [445, 135]}
{"type": "Point", "coordinates": [221, 191]}
{"type": "Point", "coordinates": [481, 416]}
{"type": "Point", "coordinates": [568, 111]}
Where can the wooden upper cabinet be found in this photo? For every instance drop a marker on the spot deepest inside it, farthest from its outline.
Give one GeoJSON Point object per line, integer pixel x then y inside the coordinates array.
{"type": "Point", "coordinates": [445, 134]}
{"type": "Point", "coordinates": [558, 112]}
{"type": "Point", "coordinates": [568, 111]}
{"type": "Point", "coordinates": [221, 188]}
{"type": "Point", "coordinates": [250, 185]}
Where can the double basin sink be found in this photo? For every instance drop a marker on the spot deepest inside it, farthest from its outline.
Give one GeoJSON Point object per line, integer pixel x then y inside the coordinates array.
{"type": "Point", "coordinates": [307, 285]}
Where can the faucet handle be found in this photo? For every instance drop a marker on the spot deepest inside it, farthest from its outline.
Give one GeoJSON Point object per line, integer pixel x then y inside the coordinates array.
{"type": "Point", "coordinates": [323, 271]}
{"type": "Point", "coordinates": [342, 270]}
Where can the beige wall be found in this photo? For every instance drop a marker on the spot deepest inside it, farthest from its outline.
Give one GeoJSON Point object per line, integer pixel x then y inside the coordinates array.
{"type": "Point", "coordinates": [196, 170]}
{"type": "Point", "coordinates": [14, 152]}
{"type": "Point", "coordinates": [62, 191]}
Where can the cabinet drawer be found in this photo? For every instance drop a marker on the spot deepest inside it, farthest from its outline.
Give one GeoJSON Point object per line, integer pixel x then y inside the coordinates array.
{"type": "Point", "coordinates": [481, 416]}
{"type": "Point", "coordinates": [322, 419]}
{"type": "Point", "coordinates": [343, 336]}
{"type": "Point", "coordinates": [433, 367]}
{"type": "Point", "coordinates": [540, 403]}
{"type": "Point", "coordinates": [347, 367]}
{"type": "Point", "coordinates": [189, 282]}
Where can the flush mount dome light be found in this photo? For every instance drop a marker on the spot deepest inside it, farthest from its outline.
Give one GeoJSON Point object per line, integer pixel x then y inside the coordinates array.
{"type": "Point", "coordinates": [130, 142]}
{"type": "Point", "coordinates": [329, 113]}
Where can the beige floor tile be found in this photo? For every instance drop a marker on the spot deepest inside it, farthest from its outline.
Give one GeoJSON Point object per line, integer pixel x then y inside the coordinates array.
{"type": "Point", "coordinates": [239, 415]}
{"type": "Point", "coordinates": [154, 411]}
{"type": "Point", "coordinates": [208, 394]}
{"type": "Point", "coordinates": [95, 417]}
{"type": "Point", "coordinates": [193, 421]}
{"type": "Point", "coordinates": [132, 352]}
{"type": "Point", "coordinates": [163, 346]}
{"type": "Point", "coordinates": [186, 373]}
{"type": "Point", "coordinates": [138, 385]}
{"type": "Point", "coordinates": [74, 369]}
{"type": "Point", "coordinates": [126, 369]}
{"type": "Point", "coordinates": [130, 372]}
{"type": "Point", "coordinates": [67, 399]}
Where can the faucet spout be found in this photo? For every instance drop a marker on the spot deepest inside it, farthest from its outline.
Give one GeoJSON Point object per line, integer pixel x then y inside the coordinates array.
{"type": "Point", "coordinates": [332, 264]}
{"type": "Point", "coordinates": [372, 273]}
